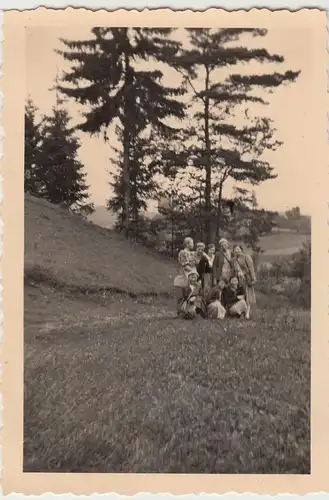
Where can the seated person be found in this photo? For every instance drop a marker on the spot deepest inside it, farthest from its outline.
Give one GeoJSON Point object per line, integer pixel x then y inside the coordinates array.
{"type": "Point", "coordinates": [233, 299]}
{"type": "Point", "coordinates": [215, 308]}
{"type": "Point", "coordinates": [193, 303]}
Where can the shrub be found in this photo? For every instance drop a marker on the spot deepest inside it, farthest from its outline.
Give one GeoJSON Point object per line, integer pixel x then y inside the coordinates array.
{"type": "Point", "coordinates": [302, 270]}
{"type": "Point", "coordinates": [289, 276]}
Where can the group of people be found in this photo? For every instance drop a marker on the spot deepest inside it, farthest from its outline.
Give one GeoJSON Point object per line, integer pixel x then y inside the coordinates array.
{"type": "Point", "coordinates": [214, 283]}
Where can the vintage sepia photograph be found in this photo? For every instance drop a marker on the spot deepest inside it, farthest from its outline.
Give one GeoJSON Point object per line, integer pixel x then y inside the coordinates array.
{"type": "Point", "coordinates": [167, 264]}
{"type": "Point", "coordinates": [165, 250]}
{"type": "Point", "coordinates": [167, 269]}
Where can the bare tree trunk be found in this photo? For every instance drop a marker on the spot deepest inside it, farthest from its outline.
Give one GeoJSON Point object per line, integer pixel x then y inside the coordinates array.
{"type": "Point", "coordinates": [172, 232]}
{"type": "Point", "coordinates": [219, 210]}
{"type": "Point", "coordinates": [208, 228]}
{"type": "Point", "coordinates": [126, 144]}
{"type": "Point", "coordinates": [126, 194]}
{"type": "Point", "coordinates": [201, 228]}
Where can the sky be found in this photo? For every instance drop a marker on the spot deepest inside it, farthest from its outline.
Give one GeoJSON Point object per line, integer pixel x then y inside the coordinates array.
{"type": "Point", "coordinates": [288, 107]}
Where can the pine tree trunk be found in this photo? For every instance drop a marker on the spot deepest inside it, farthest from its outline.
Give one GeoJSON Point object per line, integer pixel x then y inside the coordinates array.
{"type": "Point", "coordinates": [219, 210]}
{"type": "Point", "coordinates": [201, 225]}
{"type": "Point", "coordinates": [125, 214]}
{"type": "Point", "coordinates": [126, 143]}
{"type": "Point", "coordinates": [208, 228]}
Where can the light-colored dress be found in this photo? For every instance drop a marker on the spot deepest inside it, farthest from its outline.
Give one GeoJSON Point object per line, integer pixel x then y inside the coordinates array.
{"type": "Point", "coordinates": [216, 310]}
{"type": "Point", "coordinates": [187, 262]}
{"type": "Point", "coordinates": [246, 273]}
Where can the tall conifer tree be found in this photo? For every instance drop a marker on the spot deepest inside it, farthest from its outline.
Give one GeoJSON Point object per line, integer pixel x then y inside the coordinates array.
{"type": "Point", "coordinates": [106, 76]}
{"type": "Point", "coordinates": [32, 144]}
{"type": "Point", "coordinates": [220, 148]}
{"type": "Point", "coordinates": [64, 178]}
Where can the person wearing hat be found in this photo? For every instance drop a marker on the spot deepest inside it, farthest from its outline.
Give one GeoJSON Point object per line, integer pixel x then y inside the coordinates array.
{"type": "Point", "coordinates": [193, 303]}
{"type": "Point", "coordinates": [222, 266]}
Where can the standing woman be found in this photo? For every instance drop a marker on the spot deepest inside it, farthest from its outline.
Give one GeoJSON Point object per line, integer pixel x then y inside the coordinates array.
{"type": "Point", "coordinates": [202, 265]}
{"type": "Point", "coordinates": [245, 271]}
{"type": "Point", "coordinates": [200, 252]}
{"type": "Point", "coordinates": [223, 266]}
{"type": "Point", "coordinates": [211, 257]}
{"type": "Point", "coordinates": [205, 268]}
{"type": "Point", "coordinates": [187, 263]}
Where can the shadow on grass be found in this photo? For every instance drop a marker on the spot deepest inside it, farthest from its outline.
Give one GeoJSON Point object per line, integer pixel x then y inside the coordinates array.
{"type": "Point", "coordinates": [33, 276]}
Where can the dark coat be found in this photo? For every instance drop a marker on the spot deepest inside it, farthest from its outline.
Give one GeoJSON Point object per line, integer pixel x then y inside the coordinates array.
{"type": "Point", "coordinates": [203, 268]}
{"type": "Point", "coordinates": [218, 266]}
{"type": "Point", "coordinates": [230, 296]}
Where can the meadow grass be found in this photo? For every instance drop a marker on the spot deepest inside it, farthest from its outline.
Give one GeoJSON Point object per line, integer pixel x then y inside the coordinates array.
{"type": "Point", "coordinates": [114, 382]}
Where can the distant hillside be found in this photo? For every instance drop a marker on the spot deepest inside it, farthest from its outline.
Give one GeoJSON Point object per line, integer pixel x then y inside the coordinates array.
{"type": "Point", "coordinates": [81, 254]}
{"type": "Point", "coordinates": [300, 224]}
{"type": "Point", "coordinates": [102, 217]}
{"type": "Point", "coordinates": [281, 244]}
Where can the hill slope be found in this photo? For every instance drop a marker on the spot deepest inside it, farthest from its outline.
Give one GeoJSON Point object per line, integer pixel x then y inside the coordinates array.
{"type": "Point", "coordinates": [81, 254]}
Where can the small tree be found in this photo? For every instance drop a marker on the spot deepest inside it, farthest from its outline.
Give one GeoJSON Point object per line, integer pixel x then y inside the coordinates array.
{"type": "Point", "coordinates": [33, 181]}
{"type": "Point", "coordinates": [302, 267]}
{"type": "Point", "coordinates": [294, 213]}
{"type": "Point", "coordinates": [250, 222]}
{"type": "Point", "coordinates": [64, 181]}
{"type": "Point", "coordinates": [143, 184]}
{"type": "Point", "coordinates": [179, 218]}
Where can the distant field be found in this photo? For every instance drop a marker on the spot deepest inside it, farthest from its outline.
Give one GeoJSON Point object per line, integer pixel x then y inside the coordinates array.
{"type": "Point", "coordinates": [282, 244]}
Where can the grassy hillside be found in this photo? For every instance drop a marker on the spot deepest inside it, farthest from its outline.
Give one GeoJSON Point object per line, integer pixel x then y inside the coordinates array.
{"type": "Point", "coordinates": [81, 254]}
{"type": "Point", "coordinates": [117, 383]}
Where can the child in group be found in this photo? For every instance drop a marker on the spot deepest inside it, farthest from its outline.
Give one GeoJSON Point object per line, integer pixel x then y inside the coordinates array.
{"type": "Point", "coordinates": [215, 308]}
{"type": "Point", "coordinates": [193, 303]}
{"type": "Point", "coordinates": [233, 299]}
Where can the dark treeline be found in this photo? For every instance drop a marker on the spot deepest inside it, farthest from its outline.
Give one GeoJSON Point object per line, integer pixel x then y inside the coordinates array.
{"type": "Point", "coordinates": [179, 145]}
{"type": "Point", "coordinates": [52, 170]}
